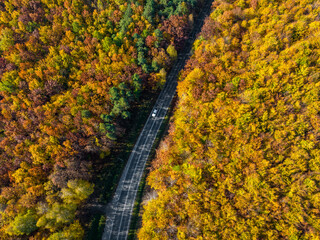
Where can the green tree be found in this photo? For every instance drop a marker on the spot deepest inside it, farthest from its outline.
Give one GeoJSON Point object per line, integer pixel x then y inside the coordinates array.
{"type": "Point", "coordinates": [137, 84]}
{"type": "Point", "coordinates": [6, 39]}
{"type": "Point", "coordinates": [172, 52]}
{"type": "Point", "coordinates": [72, 232]}
{"type": "Point", "coordinates": [86, 114]}
{"type": "Point", "coordinates": [149, 9]}
{"type": "Point", "coordinates": [77, 191]}
{"type": "Point", "coordinates": [126, 20]}
{"type": "Point", "coordinates": [106, 43]}
{"type": "Point", "coordinates": [23, 224]}
{"type": "Point", "coordinates": [57, 216]}
{"type": "Point", "coordinates": [9, 81]}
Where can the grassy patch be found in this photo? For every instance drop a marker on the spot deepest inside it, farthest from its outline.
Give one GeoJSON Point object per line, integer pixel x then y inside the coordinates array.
{"type": "Point", "coordinates": [96, 227]}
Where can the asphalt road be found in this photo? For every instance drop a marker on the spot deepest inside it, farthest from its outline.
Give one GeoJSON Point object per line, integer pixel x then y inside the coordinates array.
{"type": "Point", "coordinates": [119, 210]}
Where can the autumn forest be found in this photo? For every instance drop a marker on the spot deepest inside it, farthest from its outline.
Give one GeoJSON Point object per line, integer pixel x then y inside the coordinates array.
{"type": "Point", "coordinates": [241, 158]}
{"type": "Point", "coordinates": [70, 71]}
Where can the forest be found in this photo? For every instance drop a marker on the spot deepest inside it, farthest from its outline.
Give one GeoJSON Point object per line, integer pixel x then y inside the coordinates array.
{"type": "Point", "coordinates": [70, 71]}
{"type": "Point", "coordinates": [242, 156]}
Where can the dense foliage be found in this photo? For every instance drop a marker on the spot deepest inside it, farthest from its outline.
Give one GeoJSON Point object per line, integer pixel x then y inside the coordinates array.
{"type": "Point", "coordinates": [242, 159]}
{"type": "Point", "coordinates": [70, 70]}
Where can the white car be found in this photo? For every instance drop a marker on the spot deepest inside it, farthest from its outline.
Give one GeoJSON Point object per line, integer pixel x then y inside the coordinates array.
{"type": "Point", "coordinates": [154, 112]}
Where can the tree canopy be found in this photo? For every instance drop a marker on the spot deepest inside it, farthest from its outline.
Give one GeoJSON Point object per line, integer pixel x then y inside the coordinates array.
{"type": "Point", "coordinates": [70, 72]}
{"type": "Point", "coordinates": [241, 160]}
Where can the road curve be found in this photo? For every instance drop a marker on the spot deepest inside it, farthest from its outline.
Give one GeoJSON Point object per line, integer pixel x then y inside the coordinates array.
{"type": "Point", "coordinates": [119, 210]}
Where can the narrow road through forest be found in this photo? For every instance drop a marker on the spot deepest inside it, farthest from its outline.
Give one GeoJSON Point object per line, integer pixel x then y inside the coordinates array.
{"type": "Point", "coordinates": [119, 210]}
